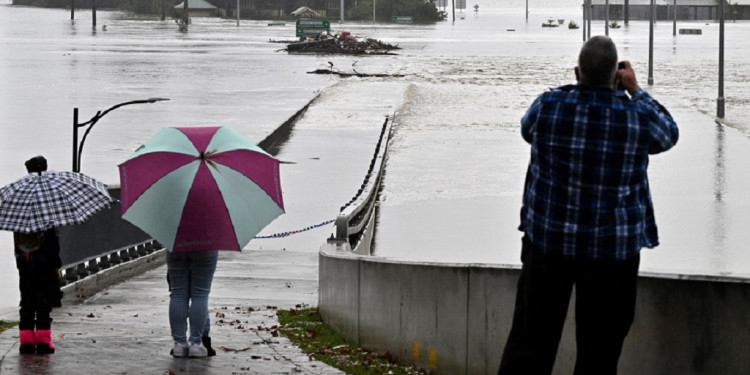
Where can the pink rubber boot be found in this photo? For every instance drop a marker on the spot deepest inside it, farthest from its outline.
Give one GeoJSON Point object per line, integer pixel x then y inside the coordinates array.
{"type": "Point", "coordinates": [44, 343]}
{"type": "Point", "coordinates": [28, 342]}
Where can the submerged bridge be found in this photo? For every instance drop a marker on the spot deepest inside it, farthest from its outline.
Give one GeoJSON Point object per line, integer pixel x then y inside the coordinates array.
{"type": "Point", "coordinates": [450, 318]}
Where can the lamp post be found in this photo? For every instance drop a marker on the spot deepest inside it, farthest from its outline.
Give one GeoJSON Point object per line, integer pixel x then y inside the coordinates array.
{"type": "Point", "coordinates": [606, 23]}
{"type": "Point", "coordinates": [78, 148]}
{"type": "Point", "coordinates": [651, 45]}
{"type": "Point", "coordinates": [720, 100]}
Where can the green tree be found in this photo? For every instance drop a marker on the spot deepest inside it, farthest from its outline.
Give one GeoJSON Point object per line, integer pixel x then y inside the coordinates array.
{"type": "Point", "coordinates": [145, 6]}
{"type": "Point", "coordinates": [421, 11]}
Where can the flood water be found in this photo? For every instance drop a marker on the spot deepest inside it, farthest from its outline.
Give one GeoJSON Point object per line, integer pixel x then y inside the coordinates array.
{"type": "Point", "coordinates": [457, 162]}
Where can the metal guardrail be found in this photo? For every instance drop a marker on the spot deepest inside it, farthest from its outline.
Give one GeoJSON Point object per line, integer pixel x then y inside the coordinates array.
{"type": "Point", "coordinates": [101, 242]}
{"type": "Point", "coordinates": [92, 265]}
{"type": "Point", "coordinates": [356, 218]}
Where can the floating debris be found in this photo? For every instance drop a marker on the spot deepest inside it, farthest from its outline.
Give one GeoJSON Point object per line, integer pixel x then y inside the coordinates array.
{"type": "Point", "coordinates": [342, 43]}
{"type": "Point", "coordinates": [551, 23]}
{"type": "Point", "coordinates": [354, 73]}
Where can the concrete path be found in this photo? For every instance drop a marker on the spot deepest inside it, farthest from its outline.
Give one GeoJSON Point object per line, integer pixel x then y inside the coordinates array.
{"type": "Point", "coordinates": [125, 329]}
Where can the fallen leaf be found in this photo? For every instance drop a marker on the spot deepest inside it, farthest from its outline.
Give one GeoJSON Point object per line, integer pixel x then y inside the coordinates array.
{"type": "Point", "coordinates": [228, 349]}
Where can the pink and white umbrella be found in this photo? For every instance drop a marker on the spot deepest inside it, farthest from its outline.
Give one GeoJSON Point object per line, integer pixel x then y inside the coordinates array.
{"type": "Point", "coordinates": [200, 188]}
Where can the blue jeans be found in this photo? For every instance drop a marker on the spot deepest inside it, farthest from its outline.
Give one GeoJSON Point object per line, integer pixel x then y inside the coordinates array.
{"type": "Point", "coordinates": [190, 277]}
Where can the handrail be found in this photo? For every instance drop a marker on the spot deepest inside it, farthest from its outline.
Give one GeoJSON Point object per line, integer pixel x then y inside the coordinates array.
{"type": "Point", "coordinates": [356, 216]}
{"type": "Point", "coordinates": [91, 265]}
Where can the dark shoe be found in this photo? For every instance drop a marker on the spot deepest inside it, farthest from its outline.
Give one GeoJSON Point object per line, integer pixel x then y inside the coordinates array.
{"type": "Point", "coordinates": [27, 349]}
{"type": "Point", "coordinates": [44, 343]}
{"type": "Point", "coordinates": [207, 343]}
{"type": "Point", "coordinates": [28, 342]}
{"type": "Point", "coordinates": [45, 349]}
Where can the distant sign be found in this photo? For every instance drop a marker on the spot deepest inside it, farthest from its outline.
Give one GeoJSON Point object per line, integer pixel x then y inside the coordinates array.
{"type": "Point", "coordinates": [691, 31]}
{"type": "Point", "coordinates": [312, 27]}
{"type": "Point", "coordinates": [402, 19]}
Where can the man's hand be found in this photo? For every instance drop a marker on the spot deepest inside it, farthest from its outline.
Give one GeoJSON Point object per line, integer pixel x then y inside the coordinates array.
{"type": "Point", "coordinates": [625, 76]}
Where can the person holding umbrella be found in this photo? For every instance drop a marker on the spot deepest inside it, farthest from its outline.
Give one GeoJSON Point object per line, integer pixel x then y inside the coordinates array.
{"type": "Point", "coordinates": [198, 190]}
{"type": "Point", "coordinates": [32, 208]}
{"type": "Point", "coordinates": [38, 262]}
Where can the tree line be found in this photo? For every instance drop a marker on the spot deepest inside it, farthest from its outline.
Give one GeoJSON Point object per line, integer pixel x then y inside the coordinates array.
{"type": "Point", "coordinates": [421, 11]}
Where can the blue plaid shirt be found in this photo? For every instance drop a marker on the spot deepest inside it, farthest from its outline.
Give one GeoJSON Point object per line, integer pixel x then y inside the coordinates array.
{"type": "Point", "coordinates": [586, 194]}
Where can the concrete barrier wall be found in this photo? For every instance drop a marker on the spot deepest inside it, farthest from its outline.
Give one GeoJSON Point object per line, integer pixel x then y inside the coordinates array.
{"type": "Point", "coordinates": [102, 233]}
{"type": "Point", "coordinates": [455, 318]}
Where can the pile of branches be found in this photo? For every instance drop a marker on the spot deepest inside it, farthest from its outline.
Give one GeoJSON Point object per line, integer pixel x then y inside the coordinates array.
{"type": "Point", "coordinates": [366, 47]}
{"type": "Point", "coordinates": [344, 46]}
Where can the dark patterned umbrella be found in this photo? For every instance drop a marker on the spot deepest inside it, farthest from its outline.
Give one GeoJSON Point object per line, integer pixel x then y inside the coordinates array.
{"type": "Point", "coordinates": [44, 200]}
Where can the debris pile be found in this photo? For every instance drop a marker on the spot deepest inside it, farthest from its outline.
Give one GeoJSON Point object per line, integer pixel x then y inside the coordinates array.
{"type": "Point", "coordinates": [341, 43]}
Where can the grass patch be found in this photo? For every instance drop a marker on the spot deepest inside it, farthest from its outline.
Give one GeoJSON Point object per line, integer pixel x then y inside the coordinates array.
{"type": "Point", "coordinates": [306, 329]}
{"type": "Point", "coordinates": [6, 325]}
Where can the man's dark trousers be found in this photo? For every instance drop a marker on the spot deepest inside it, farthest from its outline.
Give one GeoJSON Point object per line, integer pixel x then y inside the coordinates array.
{"type": "Point", "coordinates": [605, 306]}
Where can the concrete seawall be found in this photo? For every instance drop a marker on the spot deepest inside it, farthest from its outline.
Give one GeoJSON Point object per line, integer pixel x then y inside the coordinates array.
{"type": "Point", "coordinates": [454, 318]}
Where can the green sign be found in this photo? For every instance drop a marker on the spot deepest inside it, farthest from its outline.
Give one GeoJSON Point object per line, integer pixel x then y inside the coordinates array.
{"type": "Point", "coordinates": [312, 27]}
{"type": "Point", "coordinates": [402, 19]}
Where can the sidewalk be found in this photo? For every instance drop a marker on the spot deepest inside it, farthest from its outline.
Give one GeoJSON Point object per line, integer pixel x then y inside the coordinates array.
{"type": "Point", "coordinates": [125, 330]}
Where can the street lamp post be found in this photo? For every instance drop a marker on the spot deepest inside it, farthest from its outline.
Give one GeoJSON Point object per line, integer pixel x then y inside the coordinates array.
{"type": "Point", "coordinates": [78, 148]}
{"type": "Point", "coordinates": [720, 100]}
{"type": "Point", "coordinates": [651, 45]}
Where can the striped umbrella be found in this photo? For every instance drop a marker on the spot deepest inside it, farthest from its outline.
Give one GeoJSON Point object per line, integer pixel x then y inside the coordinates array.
{"type": "Point", "coordinates": [200, 188]}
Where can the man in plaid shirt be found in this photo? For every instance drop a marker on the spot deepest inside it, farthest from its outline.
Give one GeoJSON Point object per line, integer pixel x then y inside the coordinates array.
{"type": "Point", "coordinates": [586, 213]}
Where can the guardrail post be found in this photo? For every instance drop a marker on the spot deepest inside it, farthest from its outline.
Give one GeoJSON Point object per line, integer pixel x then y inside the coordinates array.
{"type": "Point", "coordinates": [141, 250]}
{"type": "Point", "coordinates": [114, 258]}
{"type": "Point", "coordinates": [93, 266]}
{"type": "Point", "coordinates": [104, 262]}
{"type": "Point", "coordinates": [342, 228]}
{"type": "Point", "coordinates": [70, 274]}
{"type": "Point", "coordinates": [81, 270]}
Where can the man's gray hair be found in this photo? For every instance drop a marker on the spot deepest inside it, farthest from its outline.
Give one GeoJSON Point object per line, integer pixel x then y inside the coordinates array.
{"type": "Point", "coordinates": [597, 62]}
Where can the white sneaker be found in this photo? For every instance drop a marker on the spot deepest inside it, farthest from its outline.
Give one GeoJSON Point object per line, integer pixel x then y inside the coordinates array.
{"type": "Point", "coordinates": [197, 350]}
{"type": "Point", "coordinates": [180, 349]}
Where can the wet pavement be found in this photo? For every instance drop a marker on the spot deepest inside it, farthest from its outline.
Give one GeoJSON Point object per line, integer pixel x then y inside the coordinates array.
{"type": "Point", "coordinates": [125, 329]}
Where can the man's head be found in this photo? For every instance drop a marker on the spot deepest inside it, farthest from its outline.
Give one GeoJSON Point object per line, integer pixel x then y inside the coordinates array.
{"type": "Point", "coordinates": [597, 62]}
{"type": "Point", "coordinates": [37, 164]}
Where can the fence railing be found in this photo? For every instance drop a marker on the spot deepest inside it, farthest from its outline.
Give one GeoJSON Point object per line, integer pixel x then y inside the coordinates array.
{"type": "Point", "coordinates": [101, 242]}
{"type": "Point", "coordinates": [355, 221]}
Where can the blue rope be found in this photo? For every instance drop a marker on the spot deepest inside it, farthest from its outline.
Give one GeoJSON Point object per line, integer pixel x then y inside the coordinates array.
{"type": "Point", "coordinates": [291, 232]}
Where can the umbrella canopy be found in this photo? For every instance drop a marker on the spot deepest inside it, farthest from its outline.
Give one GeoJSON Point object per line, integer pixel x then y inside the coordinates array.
{"type": "Point", "coordinates": [49, 199]}
{"type": "Point", "coordinates": [200, 188]}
